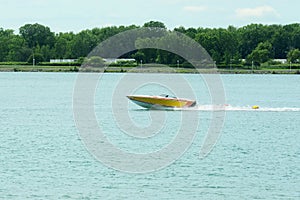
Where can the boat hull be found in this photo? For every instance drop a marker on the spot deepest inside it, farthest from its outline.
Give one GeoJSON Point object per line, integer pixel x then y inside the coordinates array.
{"type": "Point", "coordinates": [159, 102]}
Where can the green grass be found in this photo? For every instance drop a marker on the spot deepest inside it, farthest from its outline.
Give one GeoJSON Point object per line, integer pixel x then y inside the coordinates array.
{"type": "Point", "coordinates": [30, 68]}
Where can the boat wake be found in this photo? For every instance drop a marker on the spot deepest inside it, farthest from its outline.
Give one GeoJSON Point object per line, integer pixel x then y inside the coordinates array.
{"type": "Point", "coordinates": [239, 108]}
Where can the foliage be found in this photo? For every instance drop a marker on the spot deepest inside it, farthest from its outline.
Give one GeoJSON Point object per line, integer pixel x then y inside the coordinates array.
{"type": "Point", "coordinates": [261, 54]}
{"type": "Point", "coordinates": [139, 56]}
{"type": "Point", "coordinates": [13, 63]}
{"type": "Point", "coordinates": [94, 61]}
{"type": "Point", "coordinates": [293, 56]}
{"type": "Point", "coordinates": [36, 58]}
{"type": "Point", "coordinates": [37, 34]}
{"type": "Point", "coordinates": [227, 46]}
{"type": "Point", "coordinates": [59, 64]}
{"type": "Point", "coordinates": [155, 24]}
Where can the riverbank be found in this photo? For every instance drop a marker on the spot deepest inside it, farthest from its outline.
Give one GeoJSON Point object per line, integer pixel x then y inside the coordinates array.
{"type": "Point", "coordinates": [67, 68]}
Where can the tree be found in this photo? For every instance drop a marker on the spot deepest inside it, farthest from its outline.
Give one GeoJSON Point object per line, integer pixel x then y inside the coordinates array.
{"type": "Point", "coordinates": [18, 51]}
{"type": "Point", "coordinates": [280, 41]}
{"type": "Point", "coordinates": [191, 32]}
{"type": "Point", "coordinates": [292, 33]}
{"type": "Point", "coordinates": [293, 55]}
{"type": "Point", "coordinates": [180, 29]}
{"type": "Point", "coordinates": [249, 37]}
{"type": "Point", "coordinates": [155, 24]}
{"type": "Point", "coordinates": [83, 43]}
{"type": "Point", "coordinates": [60, 47]}
{"type": "Point", "coordinates": [37, 34]}
{"type": "Point", "coordinates": [262, 53]}
{"type": "Point", "coordinates": [63, 45]}
{"type": "Point", "coordinates": [47, 52]}
{"type": "Point", "coordinates": [36, 58]}
{"type": "Point", "coordinates": [254, 42]}
{"type": "Point", "coordinates": [5, 37]}
{"type": "Point", "coordinates": [221, 44]}
{"type": "Point", "coordinates": [138, 56]}
{"type": "Point", "coordinates": [94, 61]}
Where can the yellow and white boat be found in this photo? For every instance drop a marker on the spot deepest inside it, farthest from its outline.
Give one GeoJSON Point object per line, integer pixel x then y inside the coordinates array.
{"type": "Point", "coordinates": [161, 101]}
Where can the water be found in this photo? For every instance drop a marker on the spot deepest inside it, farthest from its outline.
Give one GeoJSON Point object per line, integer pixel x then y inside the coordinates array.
{"type": "Point", "coordinates": [43, 157]}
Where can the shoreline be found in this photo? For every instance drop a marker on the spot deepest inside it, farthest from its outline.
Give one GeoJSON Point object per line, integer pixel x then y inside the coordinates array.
{"type": "Point", "coordinates": [74, 69]}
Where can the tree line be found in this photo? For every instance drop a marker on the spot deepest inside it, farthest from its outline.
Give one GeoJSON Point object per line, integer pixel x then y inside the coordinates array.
{"type": "Point", "coordinates": [254, 43]}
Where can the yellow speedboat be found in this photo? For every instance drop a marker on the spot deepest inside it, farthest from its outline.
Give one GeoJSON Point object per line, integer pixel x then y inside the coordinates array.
{"type": "Point", "coordinates": [161, 102]}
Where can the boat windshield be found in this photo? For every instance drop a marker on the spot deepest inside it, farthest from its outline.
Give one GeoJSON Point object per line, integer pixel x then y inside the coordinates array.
{"type": "Point", "coordinates": [167, 96]}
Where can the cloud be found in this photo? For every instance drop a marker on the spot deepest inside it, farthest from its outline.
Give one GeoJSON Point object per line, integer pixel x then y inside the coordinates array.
{"type": "Point", "coordinates": [256, 12]}
{"type": "Point", "coordinates": [194, 8]}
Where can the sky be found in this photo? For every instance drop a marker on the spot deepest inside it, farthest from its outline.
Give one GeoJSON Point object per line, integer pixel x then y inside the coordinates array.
{"type": "Point", "coordinates": [77, 15]}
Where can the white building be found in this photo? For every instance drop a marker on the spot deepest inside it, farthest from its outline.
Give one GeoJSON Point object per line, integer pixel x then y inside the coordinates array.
{"type": "Point", "coordinates": [62, 60]}
{"type": "Point", "coordinates": [283, 61]}
{"type": "Point", "coordinates": [115, 60]}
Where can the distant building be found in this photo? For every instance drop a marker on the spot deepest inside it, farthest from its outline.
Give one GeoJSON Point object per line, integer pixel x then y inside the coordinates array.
{"type": "Point", "coordinates": [62, 60]}
{"type": "Point", "coordinates": [115, 60]}
{"type": "Point", "coordinates": [283, 61]}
